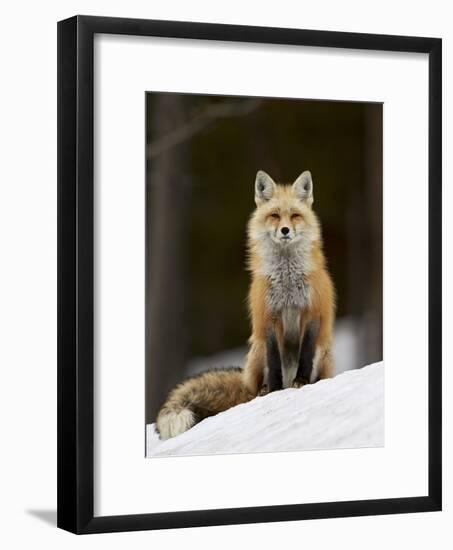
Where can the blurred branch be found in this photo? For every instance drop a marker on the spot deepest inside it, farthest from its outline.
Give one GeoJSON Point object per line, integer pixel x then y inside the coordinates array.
{"type": "Point", "coordinates": [199, 123]}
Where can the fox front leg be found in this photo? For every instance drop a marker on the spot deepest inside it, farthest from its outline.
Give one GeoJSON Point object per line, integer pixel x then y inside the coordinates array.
{"type": "Point", "coordinates": [274, 364]}
{"type": "Point", "coordinates": [307, 355]}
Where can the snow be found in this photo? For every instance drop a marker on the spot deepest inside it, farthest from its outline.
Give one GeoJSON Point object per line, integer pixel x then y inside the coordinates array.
{"type": "Point", "coordinates": [343, 412]}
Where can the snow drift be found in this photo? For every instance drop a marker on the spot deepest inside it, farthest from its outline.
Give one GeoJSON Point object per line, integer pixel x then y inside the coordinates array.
{"type": "Point", "coordinates": [344, 412]}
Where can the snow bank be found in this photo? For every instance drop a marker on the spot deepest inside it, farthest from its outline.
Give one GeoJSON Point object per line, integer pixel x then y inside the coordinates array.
{"type": "Point", "coordinates": [344, 412]}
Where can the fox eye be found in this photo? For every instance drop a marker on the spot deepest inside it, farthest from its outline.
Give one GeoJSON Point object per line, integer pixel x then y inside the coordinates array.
{"type": "Point", "coordinates": [275, 216]}
{"type": "Point", "coordinates": [296, 217]}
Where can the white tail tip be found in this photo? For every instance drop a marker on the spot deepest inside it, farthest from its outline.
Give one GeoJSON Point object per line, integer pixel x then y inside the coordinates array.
{"type": "Point", "coordinates": [175, 423]}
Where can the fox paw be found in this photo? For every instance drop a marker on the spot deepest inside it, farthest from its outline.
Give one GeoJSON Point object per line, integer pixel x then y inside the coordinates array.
{"type": "Point", "coordinates": [264, 390]}
{"type": "Point", "coordinates": [299, 383]}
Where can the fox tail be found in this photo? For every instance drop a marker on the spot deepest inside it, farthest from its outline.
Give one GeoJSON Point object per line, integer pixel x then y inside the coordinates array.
{"type": "Point", "coordinates": [200, 396]}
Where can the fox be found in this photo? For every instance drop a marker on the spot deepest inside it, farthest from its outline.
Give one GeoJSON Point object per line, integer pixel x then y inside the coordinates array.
{"type": "Point", "coordinates": [291, 297]}
{"type": "Point", "coordinates": [291, 305]}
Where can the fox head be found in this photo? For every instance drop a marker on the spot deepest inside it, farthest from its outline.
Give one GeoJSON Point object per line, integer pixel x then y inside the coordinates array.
{"type": "Point", "coordinates": [284, 213]}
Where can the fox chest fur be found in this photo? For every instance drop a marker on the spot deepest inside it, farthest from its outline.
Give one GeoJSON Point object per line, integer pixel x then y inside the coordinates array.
{"type": "Point", "coordinates": [288, 295]}
{"type": "Point", "coordinates": [286, 272]}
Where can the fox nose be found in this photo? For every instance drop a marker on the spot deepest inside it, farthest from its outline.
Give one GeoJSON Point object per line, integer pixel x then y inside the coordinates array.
{"type": "Point", "coordinates": [285, 230]}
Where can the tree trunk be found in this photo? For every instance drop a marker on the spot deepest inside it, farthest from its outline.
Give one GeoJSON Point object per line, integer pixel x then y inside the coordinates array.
{"type": "Point", "coordinates": [166, 217]}
{"type": "Point", "coordinates": [373, 190]}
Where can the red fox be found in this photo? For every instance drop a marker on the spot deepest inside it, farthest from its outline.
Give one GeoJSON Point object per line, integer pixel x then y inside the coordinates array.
{"type": "Point", "coordinates": [292, 308]}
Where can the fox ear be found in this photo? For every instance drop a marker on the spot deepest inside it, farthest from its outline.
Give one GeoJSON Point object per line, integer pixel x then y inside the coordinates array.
{"type": "Point", "coordinates": [303, 187]}
{"type": "Point", "coordinates": [264, 187]}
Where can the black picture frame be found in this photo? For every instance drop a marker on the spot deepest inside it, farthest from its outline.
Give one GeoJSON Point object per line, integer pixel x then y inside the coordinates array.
{"type": "Point", "coordinates": [76, 260]}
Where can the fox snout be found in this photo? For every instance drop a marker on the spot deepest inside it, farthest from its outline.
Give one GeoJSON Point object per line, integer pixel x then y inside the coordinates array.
{"type": "Point", "coordinates": [284, 234]}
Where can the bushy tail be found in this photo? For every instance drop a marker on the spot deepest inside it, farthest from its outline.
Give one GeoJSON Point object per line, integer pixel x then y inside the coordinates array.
{"type": "Point", "coordinates": [201, 396]}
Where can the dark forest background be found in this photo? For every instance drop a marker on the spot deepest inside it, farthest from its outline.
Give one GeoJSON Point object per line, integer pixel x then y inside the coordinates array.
{"type": "Point", "coordinates": [202, 154]}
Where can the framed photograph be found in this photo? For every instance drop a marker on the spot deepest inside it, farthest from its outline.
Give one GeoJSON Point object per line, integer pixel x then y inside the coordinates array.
{"type": "Point", "coordinates": [249, 278]}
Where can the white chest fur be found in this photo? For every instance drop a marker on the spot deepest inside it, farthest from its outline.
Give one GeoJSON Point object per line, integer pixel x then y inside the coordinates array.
{"type": "Point", "coordinates": [286, 269]}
